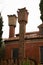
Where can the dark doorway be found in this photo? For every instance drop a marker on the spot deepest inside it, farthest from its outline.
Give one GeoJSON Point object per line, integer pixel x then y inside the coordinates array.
{"type": "Point", "coordinates": [41, 54]}
{"type": "Point", "coordinates": [15, 53]}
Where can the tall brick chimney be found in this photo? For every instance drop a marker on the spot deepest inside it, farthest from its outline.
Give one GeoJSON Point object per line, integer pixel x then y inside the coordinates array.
{"type": "Point", "coordinates": [22, 19]}
{"type": "Point", "coordinates": [12, 24]}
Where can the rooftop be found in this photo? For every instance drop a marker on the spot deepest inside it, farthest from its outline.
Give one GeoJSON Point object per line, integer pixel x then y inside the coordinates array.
{"type": "Point", "coordinates": [31, 35]}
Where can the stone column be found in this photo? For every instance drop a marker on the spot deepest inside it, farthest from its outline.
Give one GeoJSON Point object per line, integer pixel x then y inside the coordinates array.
{"type": "Point", "coordinates": [22, 19]}
{"type": "Point", "coordinates": [12, 24]}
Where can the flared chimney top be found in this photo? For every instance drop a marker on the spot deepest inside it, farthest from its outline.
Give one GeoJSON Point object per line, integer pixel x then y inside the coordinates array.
{"type": "Point", "coordinates": [12, 20]}
{"type": "Point", "coordinates": [22, 15]}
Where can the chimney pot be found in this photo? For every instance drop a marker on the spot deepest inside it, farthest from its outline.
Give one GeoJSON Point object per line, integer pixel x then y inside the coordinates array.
{"type": "Point", "coordinates": [12, 24]}
{"type": "Point", "coordinates": [22, 15]}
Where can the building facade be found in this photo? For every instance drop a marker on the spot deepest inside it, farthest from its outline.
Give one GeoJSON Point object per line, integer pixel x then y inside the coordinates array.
{"type": "Point", "coordinates": [24, 44]}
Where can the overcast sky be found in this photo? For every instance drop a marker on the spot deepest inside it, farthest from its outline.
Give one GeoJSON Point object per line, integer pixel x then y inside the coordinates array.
{"type": "Point", "coordinates": [10, 7]}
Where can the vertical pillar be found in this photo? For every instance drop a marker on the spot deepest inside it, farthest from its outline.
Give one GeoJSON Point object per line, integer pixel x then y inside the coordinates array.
{"type": "Point", "coordinates": [12, 24]}
{"type": "Point", "coordinates": [22, 19]}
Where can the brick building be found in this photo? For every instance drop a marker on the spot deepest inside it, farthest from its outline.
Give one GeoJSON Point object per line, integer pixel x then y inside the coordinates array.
{"type": "Point", "coordinates": [23, 44]}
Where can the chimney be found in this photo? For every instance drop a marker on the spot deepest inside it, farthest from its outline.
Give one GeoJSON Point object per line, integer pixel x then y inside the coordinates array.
{"type": "Point", "coordinates": [12, 24]}
{"type": "Point", "coordinates": [22, 19]}
{"type": "Point", "coordinates": [41, 29]}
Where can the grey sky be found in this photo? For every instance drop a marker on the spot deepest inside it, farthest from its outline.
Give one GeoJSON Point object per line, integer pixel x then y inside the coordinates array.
{"type": "Point", "coordinates": [11, 6]}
